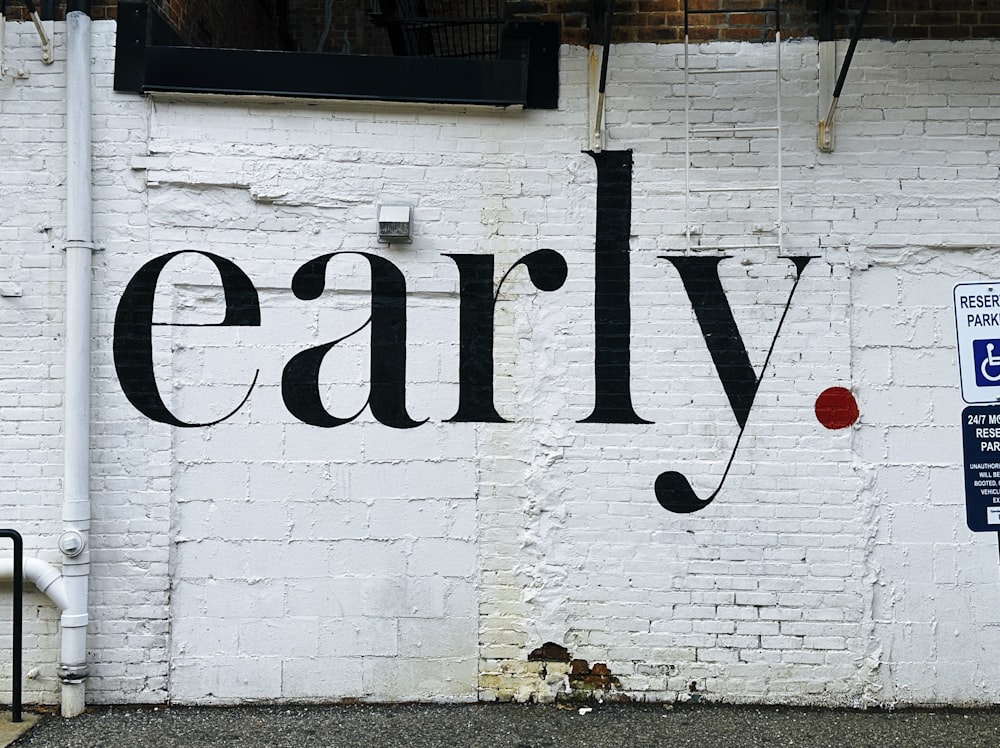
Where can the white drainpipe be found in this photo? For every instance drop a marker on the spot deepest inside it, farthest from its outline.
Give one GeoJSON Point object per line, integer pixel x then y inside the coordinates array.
{"type": "Point", "coordinates": [69, 590]}
{"type": "Point", "coordinates": [76, 406]}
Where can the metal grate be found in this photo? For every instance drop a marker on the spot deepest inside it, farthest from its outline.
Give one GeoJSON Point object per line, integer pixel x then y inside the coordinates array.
{"type": "Point", "coordinates": [442, 28]}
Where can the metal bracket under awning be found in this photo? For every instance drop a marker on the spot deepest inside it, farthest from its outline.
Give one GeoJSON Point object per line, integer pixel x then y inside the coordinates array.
{"type": "Point", "coordinates": [596, 113]}
{"type": "Point", "coordinates": [44, 29]}
{"type": "Point", "coordinates": [825, 136]}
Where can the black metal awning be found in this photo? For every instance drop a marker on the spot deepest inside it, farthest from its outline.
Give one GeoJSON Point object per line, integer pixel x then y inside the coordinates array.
{"type": "Point", "coordinates": [524, 71]}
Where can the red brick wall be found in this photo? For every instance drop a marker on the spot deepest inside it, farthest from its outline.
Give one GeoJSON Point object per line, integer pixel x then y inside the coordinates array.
{"type": "Point", "coordinates": [239, 24]}
{"type": "Point", "coordinates": [663, 20]}
{"type": "Point", "coordinates": [99, 10]}
{"type": "Point", "coordinates": [349, 30]}
{"type": "Point", "coordinates": [255, 23]}
{"type": "Point", "coordinates": [930, 19]}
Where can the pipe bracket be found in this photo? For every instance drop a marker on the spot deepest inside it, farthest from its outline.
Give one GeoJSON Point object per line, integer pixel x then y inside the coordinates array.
{"type": "Point", "coordinates": [72, 673]}
{"type": "Point", "coordinates": [80, 244]}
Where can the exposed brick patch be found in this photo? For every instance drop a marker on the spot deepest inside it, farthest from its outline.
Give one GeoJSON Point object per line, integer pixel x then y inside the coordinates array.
{"type": "Point", "coordinates": [595, 682]}
{"type": "Point", "coordinates": [550, 652]}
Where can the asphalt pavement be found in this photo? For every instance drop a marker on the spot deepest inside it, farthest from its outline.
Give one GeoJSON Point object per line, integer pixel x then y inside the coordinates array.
{"type": "Point", "coordinates": [513, 726]}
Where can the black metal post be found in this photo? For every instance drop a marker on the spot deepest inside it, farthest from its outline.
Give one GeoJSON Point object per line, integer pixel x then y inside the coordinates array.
{"type": "Point", "coordinates": [609, 16]}
{"type": "Point", "coordinates": [15, 699]}
{"type": "Point", "coordinates": [858, 26]}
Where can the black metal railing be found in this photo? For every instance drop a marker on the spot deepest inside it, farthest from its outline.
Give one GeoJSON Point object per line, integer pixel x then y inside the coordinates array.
{"type": "Point", "coordinates": [442, 28]}
{"type": "Point", "coordinates": [17, 618]}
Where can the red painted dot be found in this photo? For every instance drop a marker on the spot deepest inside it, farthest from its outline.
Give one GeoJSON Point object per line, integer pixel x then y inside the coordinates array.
{"type": "Point", "coordinates": [836, 408]}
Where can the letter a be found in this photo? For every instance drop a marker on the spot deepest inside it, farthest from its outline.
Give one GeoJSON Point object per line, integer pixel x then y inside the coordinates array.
{"type": "Point", "coordinates": [387, 393]}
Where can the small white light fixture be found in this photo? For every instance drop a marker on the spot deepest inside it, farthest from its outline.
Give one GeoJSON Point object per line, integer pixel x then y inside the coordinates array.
{"type": "Point", "coordinates": [394, 223]}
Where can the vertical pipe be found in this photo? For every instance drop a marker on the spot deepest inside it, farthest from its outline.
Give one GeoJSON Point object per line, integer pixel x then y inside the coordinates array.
{"type": "Point", "coordinates": [78, 269]}
{"type": "Point", "coordinates": [76, 405]}
{"type": "Point", "coordinates": [781, 192]}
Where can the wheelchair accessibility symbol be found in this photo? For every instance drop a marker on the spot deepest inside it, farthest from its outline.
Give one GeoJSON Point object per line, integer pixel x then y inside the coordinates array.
{"type": "Point", "coordinates": [986, 355]}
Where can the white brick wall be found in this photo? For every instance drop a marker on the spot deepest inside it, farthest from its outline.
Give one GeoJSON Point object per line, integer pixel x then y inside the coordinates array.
{"type": "Point", "coordinates": [262, 558]}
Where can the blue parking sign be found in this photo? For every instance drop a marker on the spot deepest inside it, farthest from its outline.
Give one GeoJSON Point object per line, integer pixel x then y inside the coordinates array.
{"type": "Point", "coordinates": [977, 326]}
{"type": "Point", "coordinates": [986, 359]}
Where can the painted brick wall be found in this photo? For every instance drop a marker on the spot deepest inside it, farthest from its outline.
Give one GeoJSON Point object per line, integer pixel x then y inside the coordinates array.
{"type": "Point", "coordinates": [31, 385]}
{"type": "Point", "coordinates": [132, 461]}
{"type": "Point", "coordinates": [263, 558]}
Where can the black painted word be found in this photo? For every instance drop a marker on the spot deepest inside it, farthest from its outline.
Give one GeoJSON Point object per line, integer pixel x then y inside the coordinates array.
{"type": "Point", "coordinates": [547, 271]}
